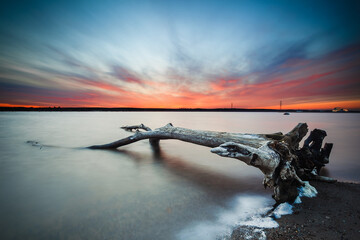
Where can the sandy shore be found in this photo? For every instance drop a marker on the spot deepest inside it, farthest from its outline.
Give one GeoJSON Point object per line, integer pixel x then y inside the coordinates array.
{"type": "Point", "coordinates": [333, 214]}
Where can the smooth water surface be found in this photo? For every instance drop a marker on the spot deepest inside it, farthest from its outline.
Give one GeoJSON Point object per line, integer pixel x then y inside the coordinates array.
{"type": "Point", "coordinates": [186, 192]}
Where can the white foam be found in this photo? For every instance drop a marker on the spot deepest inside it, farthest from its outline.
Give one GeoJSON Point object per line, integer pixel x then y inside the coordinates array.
{"type": "Point", "coordinates": [283, 209]}
{"type": "Point", "coordinates": [244, 210]}
{"type": "Point", "coordinates": [286, 208]}
{"type": "Point", "coordinates": [259, 222]}
{"type": "Point", "coordinates": [307, 191]}
{"type": "Point", "coordinates": [253, 234]}
{"type": "Point", "coordinates": [297, 200]}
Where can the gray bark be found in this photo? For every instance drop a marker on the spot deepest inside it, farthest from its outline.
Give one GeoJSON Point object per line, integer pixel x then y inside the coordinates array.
{"type": "Point", "coordinates": [273, 154]}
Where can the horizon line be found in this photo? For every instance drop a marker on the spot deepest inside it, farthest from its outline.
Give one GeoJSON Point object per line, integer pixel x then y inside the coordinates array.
{"type": "Point", "coordinates": [59, 108]}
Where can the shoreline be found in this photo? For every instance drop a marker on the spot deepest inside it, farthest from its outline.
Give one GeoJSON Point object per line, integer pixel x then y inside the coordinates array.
{"type": "Point", "coordinates": [333, 214]}
{"type": "Point", "coordinates": [129, 109]}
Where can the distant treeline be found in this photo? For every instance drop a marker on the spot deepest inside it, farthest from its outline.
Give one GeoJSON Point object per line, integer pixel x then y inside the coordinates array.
{"type": "Point", "coordinates": [99, 109]}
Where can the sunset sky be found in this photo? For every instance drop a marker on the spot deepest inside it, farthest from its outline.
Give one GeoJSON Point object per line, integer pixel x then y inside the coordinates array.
{"type": "Point", "coordinates": [180, 54]}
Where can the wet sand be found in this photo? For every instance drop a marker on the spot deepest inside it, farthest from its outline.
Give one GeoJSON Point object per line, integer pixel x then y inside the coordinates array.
{"type": "Point", "coordinates": [333, 214]}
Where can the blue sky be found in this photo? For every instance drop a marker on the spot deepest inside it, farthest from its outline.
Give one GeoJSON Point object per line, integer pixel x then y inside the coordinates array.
{"type": "Point", "coordinates": [180, 53]}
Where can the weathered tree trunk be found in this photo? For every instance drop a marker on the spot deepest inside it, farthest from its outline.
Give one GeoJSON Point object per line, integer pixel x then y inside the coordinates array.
{"type": "Point", "coordinates": [274, 154]}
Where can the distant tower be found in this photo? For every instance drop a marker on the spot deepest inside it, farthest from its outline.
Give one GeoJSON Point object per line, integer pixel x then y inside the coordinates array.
{"type": "Point", "coordinates": [280, 104]}
{"type": "Point", "coordinates": [231, 105]}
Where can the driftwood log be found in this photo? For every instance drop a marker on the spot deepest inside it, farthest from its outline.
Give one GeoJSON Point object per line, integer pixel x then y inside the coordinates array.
{"type": "Point", "coordinates": [285, 166]}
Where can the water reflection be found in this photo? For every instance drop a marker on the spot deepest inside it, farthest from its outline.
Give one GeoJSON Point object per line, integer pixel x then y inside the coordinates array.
{"type": "Point", "coordinates": [219, 188]}
{"type": "Point", "coordinates": [213, 182]}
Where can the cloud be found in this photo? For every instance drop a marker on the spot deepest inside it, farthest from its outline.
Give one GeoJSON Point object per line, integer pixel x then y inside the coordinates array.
{"type": "Point", "coordinates": [331, 78]}
{"type": "Point", "coordinates": [328, 78]}
{"type": "Point", "coordinates": [126, 75]}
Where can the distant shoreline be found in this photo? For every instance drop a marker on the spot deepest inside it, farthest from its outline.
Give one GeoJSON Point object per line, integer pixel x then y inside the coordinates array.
{"type": "Point", "coordinates": [101, 109]}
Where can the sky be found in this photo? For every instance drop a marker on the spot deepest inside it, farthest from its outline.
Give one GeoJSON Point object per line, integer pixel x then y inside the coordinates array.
{"type": "Point", "coordinates": [180, 54]}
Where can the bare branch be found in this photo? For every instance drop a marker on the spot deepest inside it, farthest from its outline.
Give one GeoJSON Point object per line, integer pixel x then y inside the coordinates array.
{"type": "Point", "coordinates": [276, 155]}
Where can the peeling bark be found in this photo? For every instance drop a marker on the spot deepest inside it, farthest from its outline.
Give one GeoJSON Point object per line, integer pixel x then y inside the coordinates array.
{"type": "Point", "coordinates": [276, 155]}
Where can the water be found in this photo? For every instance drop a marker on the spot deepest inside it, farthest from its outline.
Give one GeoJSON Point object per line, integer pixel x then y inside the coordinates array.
{"type": "Point", "coordinates": [186, 192]}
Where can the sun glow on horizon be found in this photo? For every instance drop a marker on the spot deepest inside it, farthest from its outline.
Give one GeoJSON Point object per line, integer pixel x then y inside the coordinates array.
{"type": "Point", "coordinates": [351, 105]}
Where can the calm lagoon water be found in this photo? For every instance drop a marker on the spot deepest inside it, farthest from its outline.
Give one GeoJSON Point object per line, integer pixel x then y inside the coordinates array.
{"type": "Point", "coordinates": [186, 192]}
